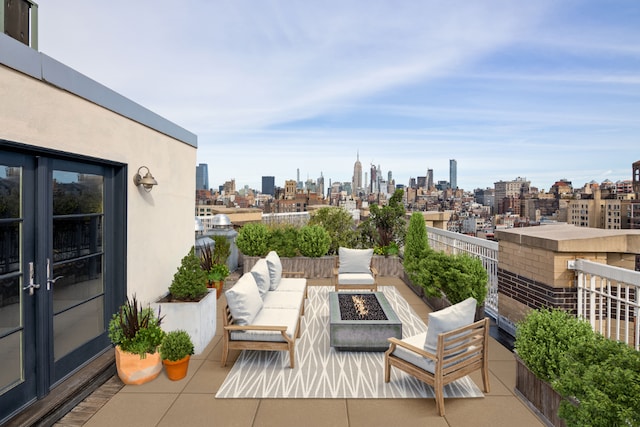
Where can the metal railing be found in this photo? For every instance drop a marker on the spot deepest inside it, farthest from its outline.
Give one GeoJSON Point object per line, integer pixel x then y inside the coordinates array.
{"type": "Point", "coordinates": [609, 298]}
{"type": "Point", "coordinates": [486, 250]}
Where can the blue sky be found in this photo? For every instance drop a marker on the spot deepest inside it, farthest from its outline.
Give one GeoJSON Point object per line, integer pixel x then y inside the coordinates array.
{"type": "Point", "coordinates": [544, 90]}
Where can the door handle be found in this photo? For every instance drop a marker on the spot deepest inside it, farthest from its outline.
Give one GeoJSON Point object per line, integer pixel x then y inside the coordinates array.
{"type": "Point", "coordinates": [51, 281]}
{"type": "Point", "coordinates": [32, 286]}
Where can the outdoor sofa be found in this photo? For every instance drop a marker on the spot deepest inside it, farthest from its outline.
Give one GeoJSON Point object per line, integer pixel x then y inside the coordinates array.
{"type": "Point", "coordinates": [264, 309]}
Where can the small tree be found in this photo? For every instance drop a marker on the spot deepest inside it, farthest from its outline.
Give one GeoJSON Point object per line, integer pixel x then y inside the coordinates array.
{"type": "Point", "coordinates": [389, 221]}
{"type": "Point", "coordinates": [253, 239]}
{"type": "Point", "coordinates": [190, 281]}
{"type": "Point", "coordinates": [416, 244]}
{"type": "Point", "coordinates": [313, 241]}
{"type": "Point", "coordinates": [339, 224]}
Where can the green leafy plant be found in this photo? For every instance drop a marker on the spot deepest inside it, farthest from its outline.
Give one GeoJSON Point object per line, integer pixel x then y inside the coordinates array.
{"type": "Point", "coordinates": [253, 239]}
{"type": "Point", "coordinates": [600, 381]}
{"type": "Point", "coordinates": [391, 249]}
{"type": "Point", "coordinates": [339, 224]}
{"type": "Point", "coordinates": [136, 329]}
{"type": "Point", "coordinates": [313, 241]}
{"type": "Point", "coordinates": [190, 281]}
{"type": "Point", "coordinates": [543, 338]}
{"type": "Point", "coordinates": [284, 240]}
{"type": "Point", "coordinates": [464, 277]}
{"type": "Point", "coordinates": [218, 272]}
{"type": "Point", "coordinates": [176, 345]}
{"type": "Point", "coordinates": [429, 272]}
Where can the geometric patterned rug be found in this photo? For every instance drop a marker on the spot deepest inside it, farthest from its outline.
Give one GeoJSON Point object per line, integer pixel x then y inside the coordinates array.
{"type": "Point", "coordinates": [323, 372]}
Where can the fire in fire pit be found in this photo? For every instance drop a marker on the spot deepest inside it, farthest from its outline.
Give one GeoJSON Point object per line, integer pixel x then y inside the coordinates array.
{"type": "Point", "coordinates": [360, 307]}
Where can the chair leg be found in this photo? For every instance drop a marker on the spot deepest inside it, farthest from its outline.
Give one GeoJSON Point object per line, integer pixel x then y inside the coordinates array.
{"type": "Point", "coordinates": [439, 399]}
{"type": "Point", "coordinates": [225, 352]}
{"type": "Point", "coordinates": [292, 356]}
{"type": "Point", "coordinates": [387, 369]}
{"type": "Point", "coordinates": [485, 377]}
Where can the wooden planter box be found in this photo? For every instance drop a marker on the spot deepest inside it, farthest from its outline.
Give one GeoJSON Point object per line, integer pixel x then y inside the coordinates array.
{"type": "Point", "coordinates": [322, 267]}
{"type": "Point", "coordinates": [538, 394]}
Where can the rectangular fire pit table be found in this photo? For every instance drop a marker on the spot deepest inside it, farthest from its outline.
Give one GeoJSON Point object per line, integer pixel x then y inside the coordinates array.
{"type": "Point", "coordinates": [362, 335]}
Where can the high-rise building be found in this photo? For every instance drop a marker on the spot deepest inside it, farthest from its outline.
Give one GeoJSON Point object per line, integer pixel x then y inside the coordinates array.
{"type": "Point", "coordinates": [202, 177]}
{"type": "Point", "coordinates": [356, 181]}
{"type": "Point", "coordinates": [320, 186]}
{"type": "Point", "coordinates": [269, 185]}
{"type": "Point", "coordinates": [429, 179]}
{"type": "Point", "coordinates": [453, 174]}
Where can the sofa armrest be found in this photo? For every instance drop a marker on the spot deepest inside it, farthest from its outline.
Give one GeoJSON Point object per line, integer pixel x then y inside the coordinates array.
{"type": "Point", "coordinates": [255, 328]}
{"type": "Point", "coordinates": [374, 271]}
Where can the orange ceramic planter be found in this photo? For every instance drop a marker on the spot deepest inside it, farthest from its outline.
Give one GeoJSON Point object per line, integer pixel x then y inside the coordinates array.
{"type": "Point", "coordinates": [177, 370]}
{"type": "Point", "coordinates": [134, 370]}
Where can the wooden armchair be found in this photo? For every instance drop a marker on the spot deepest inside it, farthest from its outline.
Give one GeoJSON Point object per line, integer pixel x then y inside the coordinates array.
{"type": "Point", "coordinates": [353, 270]}
{"type": "Point", "coordinates": [459, 352]}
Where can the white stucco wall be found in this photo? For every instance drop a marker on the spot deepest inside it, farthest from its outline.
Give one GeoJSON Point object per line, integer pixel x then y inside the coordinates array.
{"type": "Point", "coordinates": [160, 223]}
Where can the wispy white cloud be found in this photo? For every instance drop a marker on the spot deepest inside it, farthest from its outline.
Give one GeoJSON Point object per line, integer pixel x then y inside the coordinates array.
{"type": "Point", "coordinates": [509, 88]}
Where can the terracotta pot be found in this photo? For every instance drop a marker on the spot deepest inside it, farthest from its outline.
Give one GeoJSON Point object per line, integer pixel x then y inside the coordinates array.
{"type": "Point", "coordinates": [132, 369]}
{"type": "Point", "coordinates": [219, 285]}
{"type": "Point", "coordinates": [177, 370]}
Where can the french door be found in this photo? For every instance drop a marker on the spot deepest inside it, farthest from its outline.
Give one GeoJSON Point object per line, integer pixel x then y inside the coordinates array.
{"type": "Point", "coordinates": [60, 243]}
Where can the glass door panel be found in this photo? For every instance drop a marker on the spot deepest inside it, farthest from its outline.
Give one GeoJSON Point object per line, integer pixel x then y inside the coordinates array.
{"type": "Point", "coordinates": [77, 266]}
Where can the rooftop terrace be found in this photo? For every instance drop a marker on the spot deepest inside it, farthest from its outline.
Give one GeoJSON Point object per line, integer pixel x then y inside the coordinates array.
{"type": "Point", "coordinates": [192, 401]}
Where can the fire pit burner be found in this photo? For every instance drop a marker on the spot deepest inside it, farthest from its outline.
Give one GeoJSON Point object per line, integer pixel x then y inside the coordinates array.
{"type": "Point", "coordinates": [360, 307]}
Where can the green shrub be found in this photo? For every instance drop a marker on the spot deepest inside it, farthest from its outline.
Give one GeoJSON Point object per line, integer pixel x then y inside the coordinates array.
{"type": "Point", "coordinates": [339, 224]}
{"type": "Point", "coordinates": [284, 240]}
{"type": "Point", "coordinates": [464, 277]}
{"type": "Point", "coordinates": [190, 281]}
{"type": "Point", "coordinates": [253, 239]}
{"type": "Point", "coordinates": [391, 249]}
{"type": "Point", "coordinates": [429, 272]}
{"type": "Point", "coordinates": [543, 338]}
{"type": "Point", "coordinates": [136, 329]}
{"type": "Point", "coordinates": [313, 241]}
{"type": "Point", "coordinates": [176, 345]}
{"type": "Point", "coordinates": [601, 380]}
{"type": "Point", "coordinates": [416, 244]}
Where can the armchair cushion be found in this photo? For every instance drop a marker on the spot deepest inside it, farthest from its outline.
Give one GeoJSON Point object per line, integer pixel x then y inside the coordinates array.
{"type": "Point", "coordinates": [354, 260]}
{"type": "Point", "coordinates": [448, 319]}
{"type": "Point", "coordinates": [413, 357]}
{"type": "Point", "coordinates": [275, 270]}
{"type": "Point", "coordinates": [260, 273]}
{"type": "Point", "coordinates": [355, 279]}
{"type": "Point", "coordinates": [244, 300]}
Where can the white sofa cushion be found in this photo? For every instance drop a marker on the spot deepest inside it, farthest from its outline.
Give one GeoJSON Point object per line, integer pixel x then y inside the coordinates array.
{"type": "Point", "coordinates": [244, 300]}
{"type": "Point", "coordinates": [292, 284]}
{"type": "Point", "coordinates": [355, 279]}
{"type": "Point", "coordinates": [354, 260]}
{"type": "Point", "coordinates": [275, 270]}
{"type": "Point", "coordinates": [270, 317]}
{"type": "Point", "coordinates": [260, 273]}
{"type": "Point", "coordinates": [283, 299]}
{"type": "Point", "coordinates": [448, 319]}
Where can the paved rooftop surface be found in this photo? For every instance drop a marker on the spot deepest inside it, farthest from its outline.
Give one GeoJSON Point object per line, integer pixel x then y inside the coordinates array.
{"type": "Point", "coordinates": [191, 401]}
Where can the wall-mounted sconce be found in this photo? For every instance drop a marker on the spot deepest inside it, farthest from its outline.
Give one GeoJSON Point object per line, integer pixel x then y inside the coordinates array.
{"type": "Point", "coordinates": [147, 181]}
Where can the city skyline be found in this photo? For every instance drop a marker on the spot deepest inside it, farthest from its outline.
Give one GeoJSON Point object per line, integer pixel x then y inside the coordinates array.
{"type": "Point", "coordinates": [547, 90]}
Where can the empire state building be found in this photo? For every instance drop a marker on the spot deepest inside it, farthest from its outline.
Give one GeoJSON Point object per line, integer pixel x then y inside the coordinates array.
{"type": "Point", "coordinates": [356, 181]}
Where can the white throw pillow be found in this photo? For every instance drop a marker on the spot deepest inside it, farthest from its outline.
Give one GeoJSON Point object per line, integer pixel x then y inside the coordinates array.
{"type": "Point", "coordinates": [447, 320]}
{"type": "Point", "coordinates": [244, 300]}
{"type": "Point", "coordinates": [260, 273]}
{"type": "Point", "coordinates": [355, 260]}
{"type": "Point", "coordinates": [275, 270]}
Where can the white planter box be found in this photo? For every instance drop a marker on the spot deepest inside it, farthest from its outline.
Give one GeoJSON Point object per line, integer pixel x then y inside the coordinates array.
{"type": "Point", "coordinates": [197, 318]}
